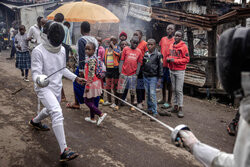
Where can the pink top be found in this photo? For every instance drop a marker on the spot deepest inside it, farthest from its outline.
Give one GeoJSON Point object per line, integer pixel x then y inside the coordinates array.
{"type": "Point", "coordinates": [101, 53]}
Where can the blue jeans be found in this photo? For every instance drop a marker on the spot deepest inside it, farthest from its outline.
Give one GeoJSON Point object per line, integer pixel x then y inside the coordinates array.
{"type": "Point", "coordinates": [150, 84]}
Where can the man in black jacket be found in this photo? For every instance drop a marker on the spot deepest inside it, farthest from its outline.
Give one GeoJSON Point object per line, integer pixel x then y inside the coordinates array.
{"type": "Point", "coordinates": [152, 72]}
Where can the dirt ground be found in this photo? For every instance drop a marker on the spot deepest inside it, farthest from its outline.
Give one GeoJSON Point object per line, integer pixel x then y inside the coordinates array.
{"type": "Point", "coordinates": [124, 139]}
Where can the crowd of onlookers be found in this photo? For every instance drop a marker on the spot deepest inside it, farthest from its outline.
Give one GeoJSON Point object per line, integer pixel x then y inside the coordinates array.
{"type": "Point", "coordinates": [122, 66]}
{"type": "Point", "coordinates": [132, 66]}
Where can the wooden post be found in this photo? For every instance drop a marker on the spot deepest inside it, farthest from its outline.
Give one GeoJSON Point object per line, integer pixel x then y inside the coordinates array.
{"type": "Point", "coordinates": [243, 22]}
{"type": "Point", "coordinates": [163, 3]}
{"type": "Point", "coordinates": [209, 6]}
{"type": "Point", "coordinates": [149, 3]}
{"type": "Point", "coordinates": [6, 19]}
{"type": "Point", "coordinates": [190, 42]}
{"type": "Point", "coordinates": [244, 3]}
{"type": "Point", "coordinates": [211, 68]}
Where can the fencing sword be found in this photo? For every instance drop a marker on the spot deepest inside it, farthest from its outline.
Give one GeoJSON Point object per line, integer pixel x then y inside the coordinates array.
{"type": "Point", "coordinates": [43, 80]}
{"type": "Point", "coordinates": [176, 132]}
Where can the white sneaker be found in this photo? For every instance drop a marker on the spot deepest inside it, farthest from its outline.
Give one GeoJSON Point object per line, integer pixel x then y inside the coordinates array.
{"type": "Point", "coordinates": [88, 119]}
{"type": "Point", "coordinates": [113, 105]}
{"type": "Point", "coordinates": [106, 103]}
{"type": "Point", "coordinates": [140, 106]}
{"type": "Point", "coordinates": [101, 119]}
{"type": "Point", "coordinates": [26, 79]}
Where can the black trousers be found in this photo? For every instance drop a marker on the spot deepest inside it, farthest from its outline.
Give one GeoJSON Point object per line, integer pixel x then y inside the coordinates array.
{"type": "Point", "coordinates": [140, 90]}
{"type": "Point", "coordinates": [67, 49]}
{"type": "Point", "coordinates": [13, 51]}
{"type": "Point", "coordinates": [236, 118]}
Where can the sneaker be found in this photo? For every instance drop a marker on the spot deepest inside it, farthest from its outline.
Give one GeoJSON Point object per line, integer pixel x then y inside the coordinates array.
{"type": "Point", "coordinates": [26, 79]}
{"type": "Point", "coordinates": [39, 126]}
{"type": "Point", "coordinates": [88, 119]}
{"type": "Point", "coordinates": [150, 112]}
{"type": "Point", "coordinates": [160, 101]}
{"type": "Point", "coordinates": [101, 119]}
{"type": "Point", "coordinates": [68, 155]}
{"type": "Point", "coordinates": [173, 110]}
{"type": "Point", "coordinates": [135, 101]}
{"type": "Point", "coordinates": [113, 105]}
{"type": "Point", "coordinates": [116, 108]}
{"type": "Point", "coordinates": [132, 109]}
{"type": "Point", "coordinates": [164, 113]}
{"type": "Point", "coordinates": [166, 106]}
{"type": "Point", "coordinates": [140, 106]}
{"type": "Point", "coordinates": [106, 103]}
{"type": "Point", "coordinates": [231, 129]}
{"type": "Point", "coordinates": [155, 116]}
{"type": "Point", "coordinates": [180, 114]}
{"type": "Point", "coordinates": [101, 101]}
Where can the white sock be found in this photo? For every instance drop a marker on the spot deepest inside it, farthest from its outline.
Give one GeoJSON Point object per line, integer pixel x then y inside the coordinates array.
{"type": "Point", "coordinates": [60, 136]}
{"type": "Point", "coordinates": [42, 115]}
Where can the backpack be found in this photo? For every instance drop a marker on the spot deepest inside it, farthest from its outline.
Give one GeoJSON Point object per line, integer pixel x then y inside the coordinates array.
{"type": "Point", "coordinates": [100, 69]}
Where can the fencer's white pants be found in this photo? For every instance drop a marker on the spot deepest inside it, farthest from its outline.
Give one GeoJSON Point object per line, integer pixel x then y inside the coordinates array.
{"type": "Point", "coordinates": [53, 109]}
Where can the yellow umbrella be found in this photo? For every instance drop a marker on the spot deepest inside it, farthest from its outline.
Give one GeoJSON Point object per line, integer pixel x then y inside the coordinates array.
{"type": "Point", "coordinates": [85, 11]}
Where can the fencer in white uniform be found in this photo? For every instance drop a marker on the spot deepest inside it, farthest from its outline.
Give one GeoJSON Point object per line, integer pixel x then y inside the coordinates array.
{"type": "Point", "coordinates": [48, 58]}
{"type": "Point", "coordinates": [233, 65]}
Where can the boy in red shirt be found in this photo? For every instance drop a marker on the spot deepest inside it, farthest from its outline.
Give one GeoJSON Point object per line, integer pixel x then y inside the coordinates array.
{"type": "Point", "coordinates": [166, 81]}
{"type": "Point", "coordinates": [129, 68]}
{"type": "Point", "coordinates": [178, 58]}
{"type": "Point", "coordinates": [140, 90]}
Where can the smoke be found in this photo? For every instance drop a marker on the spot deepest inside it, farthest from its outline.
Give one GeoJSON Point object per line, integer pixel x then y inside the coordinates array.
{"type": "Point", "coordinates": [127, 24]}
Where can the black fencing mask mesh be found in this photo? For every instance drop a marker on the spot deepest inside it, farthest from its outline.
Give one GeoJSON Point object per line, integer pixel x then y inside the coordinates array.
{"type": "Point", "coordinates": [233, 57]}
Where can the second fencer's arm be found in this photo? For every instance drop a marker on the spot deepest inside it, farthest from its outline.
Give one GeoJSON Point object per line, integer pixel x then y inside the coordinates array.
{"type": "Point", "coordinates": [207, 155]}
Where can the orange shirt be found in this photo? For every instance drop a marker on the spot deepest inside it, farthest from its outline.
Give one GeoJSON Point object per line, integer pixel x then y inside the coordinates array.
{"type": "Point", "coordinates": [143, 47]}
{"type": "Point", "coordinates": [165, 45]}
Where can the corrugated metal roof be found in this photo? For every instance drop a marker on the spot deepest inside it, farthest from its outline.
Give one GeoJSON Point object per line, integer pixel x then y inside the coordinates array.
{"type": "Point", "coordinates": [9, 5]}
{"type": "Point", "coordinates": [24, 6]}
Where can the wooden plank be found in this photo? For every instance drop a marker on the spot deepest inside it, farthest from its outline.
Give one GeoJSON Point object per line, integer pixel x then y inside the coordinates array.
{"type": "Point", "coordinates": [192, 19]}
{"type": "Point", "coordinates": [178, 1]}
{"type": "Point", "coordinates": [180, 23]}
{"type": "Point", "coordinates": [163, 3]}
{"type": "Point", "coordinates": [227, 15]}
{"type": "Point", "coordinates": [184, 14]}
{"type": "Point", "coordinates": [190, 42]}
{"type": "Point", "coordinates": [212, 91]}
{"type": "Point", "coordinates": [177, 21]}
{"type": "Point", "coordinates": [203, 58]}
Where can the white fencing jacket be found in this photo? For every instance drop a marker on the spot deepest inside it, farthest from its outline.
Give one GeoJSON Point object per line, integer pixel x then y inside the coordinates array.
{"type": "Point", "coordinates": [45, 62]}
{"type": "Point", "coordinates": [210, 156]}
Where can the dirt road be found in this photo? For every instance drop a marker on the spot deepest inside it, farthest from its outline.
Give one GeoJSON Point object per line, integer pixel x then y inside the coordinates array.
{"type": "Point", "coordinates": [124, 139]}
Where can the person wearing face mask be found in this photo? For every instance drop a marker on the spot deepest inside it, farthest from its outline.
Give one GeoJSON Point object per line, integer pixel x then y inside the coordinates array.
{"type": "Point", "coordinates": [233, 61]}
{"type": "Point", "coordinates": [47, 58]}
